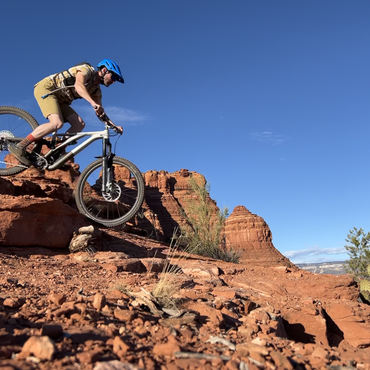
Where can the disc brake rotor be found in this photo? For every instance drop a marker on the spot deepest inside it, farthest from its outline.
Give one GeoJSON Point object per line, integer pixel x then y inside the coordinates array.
{"type": "Point", "coordinates": [112, 194]}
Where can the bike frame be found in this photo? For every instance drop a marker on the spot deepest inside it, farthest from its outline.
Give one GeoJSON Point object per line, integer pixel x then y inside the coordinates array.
{"type": "Point", "coordinates": [107, 155]}
{"type": "Point", "coordinates": [94, 135]}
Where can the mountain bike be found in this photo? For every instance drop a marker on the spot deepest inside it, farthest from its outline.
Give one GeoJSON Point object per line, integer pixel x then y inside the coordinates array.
{"type": "Point", "coordinates": [109, 191]}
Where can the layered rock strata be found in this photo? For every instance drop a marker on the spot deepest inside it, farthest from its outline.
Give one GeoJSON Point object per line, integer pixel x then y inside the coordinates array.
{"type": "Point", "coordinates": [166, 199]}
{"type": "Point", "coordinates": [250, 234]}
{"type": "Point", "coordinates": [33, 198]}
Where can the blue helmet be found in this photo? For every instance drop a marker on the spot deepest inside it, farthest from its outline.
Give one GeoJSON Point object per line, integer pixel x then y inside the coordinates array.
{"type": "Point", "coordinates": [112, 67]}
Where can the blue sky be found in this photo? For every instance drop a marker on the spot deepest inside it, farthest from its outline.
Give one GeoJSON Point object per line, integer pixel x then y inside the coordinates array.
{"type": "Point", "coordinates": [269, 100]}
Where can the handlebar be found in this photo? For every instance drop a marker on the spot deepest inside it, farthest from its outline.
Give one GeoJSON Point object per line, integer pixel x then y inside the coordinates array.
{"type": "Point", "coordinates": [105, 119]}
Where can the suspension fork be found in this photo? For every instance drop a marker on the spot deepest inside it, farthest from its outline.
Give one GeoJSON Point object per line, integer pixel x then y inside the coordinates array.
{"type": "Point", "coordinates": [107, 165]}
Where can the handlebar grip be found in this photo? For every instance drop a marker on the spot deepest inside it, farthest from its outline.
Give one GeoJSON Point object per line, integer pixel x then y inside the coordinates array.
{"type": "Point", "coordinates": [104, 118]}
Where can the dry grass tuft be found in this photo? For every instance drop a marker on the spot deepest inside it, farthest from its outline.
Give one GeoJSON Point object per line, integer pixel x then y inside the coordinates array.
{"type": "Point", "coordinates": [171, 277]}
{"type": "Point", "coordinates": [120, 286]}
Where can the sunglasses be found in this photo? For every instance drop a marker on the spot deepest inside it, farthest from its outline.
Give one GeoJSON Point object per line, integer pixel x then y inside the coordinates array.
{"type": "Point", "coordinates": [114, 77]}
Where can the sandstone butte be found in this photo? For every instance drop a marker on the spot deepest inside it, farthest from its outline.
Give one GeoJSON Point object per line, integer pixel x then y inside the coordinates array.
{"type": "Point", "coordinates": [62, 310]}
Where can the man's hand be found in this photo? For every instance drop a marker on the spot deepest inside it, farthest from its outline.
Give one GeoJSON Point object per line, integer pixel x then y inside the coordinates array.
{"type": "Point", "coordinates": [99, 110]}
{"type": "Point", "coordinates": [119, 129]}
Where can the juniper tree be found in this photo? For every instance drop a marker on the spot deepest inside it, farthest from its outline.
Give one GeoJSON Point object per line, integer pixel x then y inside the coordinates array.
{"type": "Point", "coordinates": [359, 252]}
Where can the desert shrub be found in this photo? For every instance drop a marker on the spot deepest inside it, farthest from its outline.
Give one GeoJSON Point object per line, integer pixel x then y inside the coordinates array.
{"type": "Point", "coordinates": [171, 278]}
{"type": "Point", "coordinates": [359, 253]}
{"type": "Point", "coordinates": [204, 233]}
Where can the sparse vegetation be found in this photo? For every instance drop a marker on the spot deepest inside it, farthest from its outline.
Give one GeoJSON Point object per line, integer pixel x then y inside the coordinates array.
{"type": "Point", "coordinates": [120, 286]}
{"type": "Point", "coordinates": [359, 261]}
{"type": "Point", "coordinates": [171, 277]}
{"type": "Point", "coordinates": [166, 288]}
{"type": "Point", "coordinates": [365, 288]}
{"type": "Point", "coordinates": [359, 253]}
{"type": "Point", "coordinates": [205, 235]}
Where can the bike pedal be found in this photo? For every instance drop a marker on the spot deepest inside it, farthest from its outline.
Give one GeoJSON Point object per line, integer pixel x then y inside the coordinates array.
{"type": "Point", "coordinates": [140, 213]}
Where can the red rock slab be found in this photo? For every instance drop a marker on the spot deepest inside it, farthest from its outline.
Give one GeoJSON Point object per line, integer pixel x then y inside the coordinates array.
{"type": "Point", "coordinates": [41, 222]}
{"type": "Point", "coordinates": [306, 328]}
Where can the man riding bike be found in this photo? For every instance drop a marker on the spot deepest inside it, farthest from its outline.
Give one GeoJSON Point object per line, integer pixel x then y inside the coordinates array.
{"type": "Point", "coordinates": [59, 90]}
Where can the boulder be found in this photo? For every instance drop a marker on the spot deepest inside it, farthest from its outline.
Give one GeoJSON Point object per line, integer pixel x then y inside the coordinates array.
{"type": "Point", "coordinates": [250, 234]}
{"type": "Point", "coordinates": [32, 221]}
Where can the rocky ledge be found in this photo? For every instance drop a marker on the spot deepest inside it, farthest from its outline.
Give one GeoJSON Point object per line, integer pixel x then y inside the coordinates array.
{"type": "Point", "coordinates": [96, 311]}
{"type": "Point", "coordinates": [35, 203]}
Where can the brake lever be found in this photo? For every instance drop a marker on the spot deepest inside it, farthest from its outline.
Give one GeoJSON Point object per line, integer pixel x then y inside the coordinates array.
{"type": "Point", "coordinates": [116, 130]}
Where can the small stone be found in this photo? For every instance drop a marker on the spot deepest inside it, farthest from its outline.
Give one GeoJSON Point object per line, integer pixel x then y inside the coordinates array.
{"type": "Point", "coordinates": [114, 365]}
{"type": "Point", "coordinates": [52, 330]}
{"type": "Point", "coordinates": [248, 331]}
{"type": "Point", "coordinates": [88, 357]}
{"type": "Point", "coordinates": [280, 360]}
{"type": "Point", "coordinates": [41, 347]}
{"type": "Point", "coordinates": [232, 365]}
{"type": "Point", "coordinates": [99, 301]}
{"type": "Point", "coordinates": [57, 298]}
{"type": "Point", "coordinates": [166, 349]}
{"type": "Point", "coordinates": [320, 352]}
{"type": "Point", "coordinates": [259, 341]}
{"type": "Point", "coordinates": [110, 267]}
{"type": "Point", "coordinates": [13, 303]}
{"type": "Point", "coordinates": [119, 346]}
{"type": "Point", "coordinates": [227, 293]}
{"type": "Point", "coordinates": [124, 315]}
{"type": "Point", "coordinates": [116, 295]}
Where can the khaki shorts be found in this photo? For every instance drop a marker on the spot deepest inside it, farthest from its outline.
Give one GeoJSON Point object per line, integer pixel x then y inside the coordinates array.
{"type": "Point", "coordinates": [51, 104]}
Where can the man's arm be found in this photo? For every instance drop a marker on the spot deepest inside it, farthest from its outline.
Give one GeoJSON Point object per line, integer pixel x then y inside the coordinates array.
{"type": "Point", "coordinates": [82, 91]}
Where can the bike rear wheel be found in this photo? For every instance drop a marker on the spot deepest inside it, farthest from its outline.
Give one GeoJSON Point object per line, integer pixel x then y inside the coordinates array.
{"type": "Point", "coordinates": [118, 204]}
{"type": "Point", "coordinates": [15, 124]}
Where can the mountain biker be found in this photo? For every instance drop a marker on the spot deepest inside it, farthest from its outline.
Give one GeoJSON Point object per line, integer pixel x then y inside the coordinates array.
{"type": "Point", "coordinates": [79, 81]}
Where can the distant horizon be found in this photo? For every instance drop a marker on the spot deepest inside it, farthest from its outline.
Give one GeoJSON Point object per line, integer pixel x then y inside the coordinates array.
{"type": "Point", "coordinates": [316, 263]}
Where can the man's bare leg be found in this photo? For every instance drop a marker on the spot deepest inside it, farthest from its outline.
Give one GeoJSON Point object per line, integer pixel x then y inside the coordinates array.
{"type": "Point", "coordinates": [55, 123]}
{"type": "Point", "coordinates": [76, 122]}
{"type": "Point", "coordinates": [19, 150]}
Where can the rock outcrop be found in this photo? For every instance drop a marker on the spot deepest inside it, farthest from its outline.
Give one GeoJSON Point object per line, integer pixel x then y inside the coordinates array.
{"type": "Point", "coordinates": [250, 234]}
{"type": "Point", "coordinates": [166, 199]}
{"type": "Point", "coordinates": [32, 221]}
{"type": "Point", "coordinates": [37, 208]}
{"type": "Point", "coordinates": [40, 199]}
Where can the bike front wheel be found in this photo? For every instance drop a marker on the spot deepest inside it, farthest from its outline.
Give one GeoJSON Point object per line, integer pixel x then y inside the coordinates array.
{"type": "Point", "coordinates": [122, 198]}
{"type": "Point", "coordinates": [15, 124]}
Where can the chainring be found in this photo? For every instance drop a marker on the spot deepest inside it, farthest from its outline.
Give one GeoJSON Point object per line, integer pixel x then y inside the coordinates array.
{"type": "Point", "coordinates": [3, 142]}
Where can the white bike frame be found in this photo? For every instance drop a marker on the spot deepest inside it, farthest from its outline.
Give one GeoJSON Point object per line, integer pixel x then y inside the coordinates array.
{"type": "Point", "coordinates": [94, 135]}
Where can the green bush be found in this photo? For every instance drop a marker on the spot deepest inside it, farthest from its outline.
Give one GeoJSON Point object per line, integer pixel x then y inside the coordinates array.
{"type": "Point", "coordinates": [359, 253]}
{"type": "Point", "coordinates": [204, 234]}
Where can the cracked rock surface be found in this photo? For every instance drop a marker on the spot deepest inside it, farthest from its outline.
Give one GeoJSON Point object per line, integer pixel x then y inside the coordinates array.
{"type": "Point", "coordinates": [98, 311]}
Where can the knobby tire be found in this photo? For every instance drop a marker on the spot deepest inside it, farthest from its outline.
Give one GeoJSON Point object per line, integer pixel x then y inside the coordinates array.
{"type": "Point", "coordinates": [91, 202]}
{"type": "Point", "coordinates": [14, 122]}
